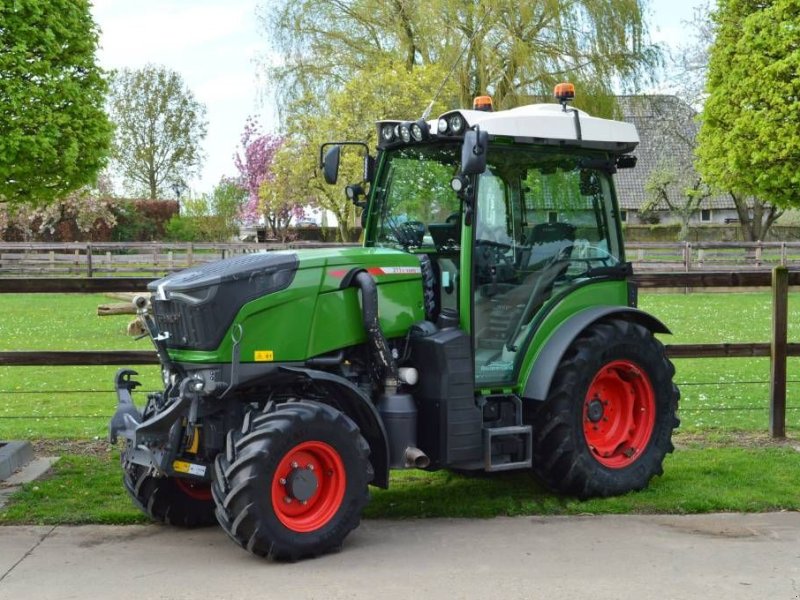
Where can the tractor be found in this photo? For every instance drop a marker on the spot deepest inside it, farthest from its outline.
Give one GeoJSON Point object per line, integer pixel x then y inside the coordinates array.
{"type": "Point", "coordinates": [488, 322]}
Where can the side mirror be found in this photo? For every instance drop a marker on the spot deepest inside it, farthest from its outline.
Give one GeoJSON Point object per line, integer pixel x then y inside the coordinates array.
{"type": "Point", "coordinates": [473, 151]}
{"type": "Point", "coordinates": [369, 168]}
{"type": "Point", "coordinates": [330, 164]}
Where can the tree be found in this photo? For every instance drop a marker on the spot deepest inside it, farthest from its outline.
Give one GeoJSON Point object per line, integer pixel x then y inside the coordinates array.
{"type": "Point", "coordinates": [688, 72]}
{"type": "Point", "coordinates": [160, 127]}
{"type": "Point", "coordinates": [749, 140]}
{"type": "Point", "coordinates": [515, 49]}
{"type": "Point", "coordinates": [274, 201]}
{"type": "Point", "coordinates": [384, 91]}
{"type": "Point", "coordinates": [54, 133]}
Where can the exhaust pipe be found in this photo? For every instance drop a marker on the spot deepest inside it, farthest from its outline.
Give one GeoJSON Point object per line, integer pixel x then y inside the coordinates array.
{"type": "Point", "coordinates": [416, 458]}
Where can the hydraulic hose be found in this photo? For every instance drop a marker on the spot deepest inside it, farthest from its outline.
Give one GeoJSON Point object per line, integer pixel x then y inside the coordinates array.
{"type": "Point", "coordinates": [375, 337]}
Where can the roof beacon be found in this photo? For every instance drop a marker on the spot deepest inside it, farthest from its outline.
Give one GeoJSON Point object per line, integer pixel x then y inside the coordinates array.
{"type": "Point", "coordinates": [483, 103]}
{"type": "Point", "coordinates": [564, 92]}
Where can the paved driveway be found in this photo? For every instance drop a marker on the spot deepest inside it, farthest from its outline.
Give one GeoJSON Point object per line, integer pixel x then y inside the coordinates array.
{"type": "Point", "coordinates": [709, 556]}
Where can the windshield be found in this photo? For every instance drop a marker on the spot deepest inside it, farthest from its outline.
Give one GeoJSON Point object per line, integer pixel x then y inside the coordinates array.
{"type": "Point", "coordinates": [415, 205]}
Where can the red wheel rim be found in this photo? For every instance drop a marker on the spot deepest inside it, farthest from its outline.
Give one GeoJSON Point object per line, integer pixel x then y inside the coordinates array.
{"type": "Point", "coordinates": [314, 461]}
{"type": "Point", "coordinates": [195, 490]}
{"type": "Point", "coordinates": [619, 414]}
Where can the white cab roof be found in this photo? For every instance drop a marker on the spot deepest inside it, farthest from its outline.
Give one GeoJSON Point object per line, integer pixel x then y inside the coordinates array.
{"type": "Point", "coordinates": [550, 121]}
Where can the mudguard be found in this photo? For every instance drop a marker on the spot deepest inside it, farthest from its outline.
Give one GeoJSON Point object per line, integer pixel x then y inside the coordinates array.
{"type": "Point", "coordinates": [356, 405]}
{"type": "Point", "coordinates": [549, 358]}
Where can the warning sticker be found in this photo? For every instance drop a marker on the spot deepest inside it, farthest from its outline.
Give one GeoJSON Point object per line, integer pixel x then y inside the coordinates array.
{"type": "Point", "coordinates": [181, 466]}
{"type": "Point", "coordinates": [264, 356]}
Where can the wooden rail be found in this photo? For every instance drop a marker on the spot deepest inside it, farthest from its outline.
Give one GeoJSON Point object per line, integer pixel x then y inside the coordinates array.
{"type": "Point", "coordinates": [778, 349]}
{"type": "Point", "coordinates": [99, 259]}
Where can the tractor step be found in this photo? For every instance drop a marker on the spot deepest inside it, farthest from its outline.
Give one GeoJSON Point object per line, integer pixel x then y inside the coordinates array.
{"type": "Point", "coordinates": [522, 433]}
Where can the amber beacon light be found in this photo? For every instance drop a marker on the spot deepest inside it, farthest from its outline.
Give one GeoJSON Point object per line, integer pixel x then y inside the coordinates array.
{"type": "Point", "coordinates": [483, 103]}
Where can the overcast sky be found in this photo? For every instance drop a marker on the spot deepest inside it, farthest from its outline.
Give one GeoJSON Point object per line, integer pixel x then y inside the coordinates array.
{"type": "Point", "coordinates": [215, 46]}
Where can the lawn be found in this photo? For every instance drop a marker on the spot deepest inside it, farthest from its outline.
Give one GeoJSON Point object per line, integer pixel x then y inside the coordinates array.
{"type": "Point", "coordinates": [724, 406]}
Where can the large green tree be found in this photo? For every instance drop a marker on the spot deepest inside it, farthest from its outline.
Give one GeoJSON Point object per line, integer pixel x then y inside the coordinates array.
{"type": "Point", "coordinates": [516, 49]}
{"type": "Point", "coordinates": [384, 92]}
{"type": "Point", "coordinates": [54, 133]}
{"type": "Point", "coordinates": [160, 129]}
{"type": "Point", "coordinates": [749, 141]}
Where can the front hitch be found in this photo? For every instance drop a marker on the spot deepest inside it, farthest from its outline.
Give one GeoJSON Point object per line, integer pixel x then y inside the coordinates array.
{"type": "Point", "coordinates": [127, 418]}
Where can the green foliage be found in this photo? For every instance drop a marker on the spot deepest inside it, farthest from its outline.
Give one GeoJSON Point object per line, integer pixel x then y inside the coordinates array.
{"type": "Point", "coordinates": [209, 218]}
{"type": "Point", "coordinates": [384, 91]}
{"type": "Point", "coordinates": [749, 141]}
{"type": "Point", "coordinates": [519, 48]}
{"type": "Point", "coordinates": [54, 134]}
{"type": "Point", "coordinates": [159, 129]}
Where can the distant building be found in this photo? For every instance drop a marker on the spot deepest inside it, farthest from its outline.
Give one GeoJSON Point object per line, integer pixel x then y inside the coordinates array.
{"type": "Point", "coordinates": [667, 128]}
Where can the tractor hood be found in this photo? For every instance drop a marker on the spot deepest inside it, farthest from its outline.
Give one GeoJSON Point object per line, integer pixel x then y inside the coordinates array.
{"type": "Point", "coordinates": [196, 307]}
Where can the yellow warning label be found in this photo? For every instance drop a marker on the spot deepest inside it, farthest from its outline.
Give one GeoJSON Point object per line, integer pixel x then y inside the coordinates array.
{"type": "Point", "coordinates": [180, 466]}
{"type": "Point", "coordinates": [264, 356]}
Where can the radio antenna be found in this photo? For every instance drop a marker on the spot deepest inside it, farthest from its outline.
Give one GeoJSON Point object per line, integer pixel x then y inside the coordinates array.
{"type": "Point", "coordinates": [428, 110]}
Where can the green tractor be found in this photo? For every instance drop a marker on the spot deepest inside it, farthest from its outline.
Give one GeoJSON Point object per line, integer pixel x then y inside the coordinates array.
{"type": "Point", "coordinates": [488, 323]}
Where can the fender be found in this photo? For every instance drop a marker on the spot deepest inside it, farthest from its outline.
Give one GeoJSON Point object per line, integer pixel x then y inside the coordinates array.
{"type": "Point", "coordinates": [356, 405]}
{"type": "Point", "coordinates": [547, 362]}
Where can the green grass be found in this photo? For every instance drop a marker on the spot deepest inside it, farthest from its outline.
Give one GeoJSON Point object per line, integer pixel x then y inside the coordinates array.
{"type": "Point", "coordinates": [75, 403]}
{"type": "Point", "coordinates": [87, 489]}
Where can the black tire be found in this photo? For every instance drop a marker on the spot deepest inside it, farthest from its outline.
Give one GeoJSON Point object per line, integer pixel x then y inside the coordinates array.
{"type": "Point", "coordinates": [254, 470]}
{"type": "Point", "coordinates": [169, 500]}
{"type": "Point", "coordinates": [600, 432]}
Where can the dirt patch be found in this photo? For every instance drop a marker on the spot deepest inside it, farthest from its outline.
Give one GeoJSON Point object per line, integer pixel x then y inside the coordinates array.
{"type": "Point", "coordinates": [98, 448]}
{"type": "Point", "coordinates": [734, 439]}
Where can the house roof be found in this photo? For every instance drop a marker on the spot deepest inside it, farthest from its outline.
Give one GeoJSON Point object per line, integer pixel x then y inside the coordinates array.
{"type": "Point", "coordinates": [667, 128]}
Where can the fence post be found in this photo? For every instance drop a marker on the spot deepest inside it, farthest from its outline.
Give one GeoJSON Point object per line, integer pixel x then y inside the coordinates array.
{"type": "Point", "coordinates": [759, 248]}
{"type": "Point", "coordinates": [189, 254]}
{"type": "Point", "coordinates": [777, 376]}
{"type": "Point", "coordinates": [88, 260]}
{"type": "Point", "coordinates": [687, 256]}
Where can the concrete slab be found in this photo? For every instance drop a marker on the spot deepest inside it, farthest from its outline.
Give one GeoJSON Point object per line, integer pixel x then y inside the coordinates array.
{"type": "Point", "coordinates": [15, 543]}
{"type": "Point", "coordinates": [30, 472]}
{"type": "Point", "coordinates": [729, 556]}
{"type": "Point", "coordinates": [13, 455]}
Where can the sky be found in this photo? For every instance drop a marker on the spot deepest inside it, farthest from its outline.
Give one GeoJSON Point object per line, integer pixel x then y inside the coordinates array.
{"type": "Point", "coordinates": [216, 46]}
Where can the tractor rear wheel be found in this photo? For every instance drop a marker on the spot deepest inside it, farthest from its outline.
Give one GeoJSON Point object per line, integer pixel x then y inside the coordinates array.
{"type": "Point", "coordinates": [292, 481]}
{"type": "Point", "coordinates": [607, 422]}
{"type": "Point", "coordinates": [171, 500]}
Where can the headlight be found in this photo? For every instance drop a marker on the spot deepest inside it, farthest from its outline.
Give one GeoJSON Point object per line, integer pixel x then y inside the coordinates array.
{"type": "Point", "coordinates": [416, 132]}
{"type": "Point", "coordinates": [442, 125]}
{"type": "Point", "coordinates": [405, 132]}
{"type": "Point", "coordinates": [456, 124]}
{"type": "Point", "coordinates": [387, 132]}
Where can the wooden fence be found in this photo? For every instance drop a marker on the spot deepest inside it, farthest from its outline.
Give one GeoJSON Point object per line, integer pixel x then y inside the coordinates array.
{"type": "Point", "coordinates": [109, 259]}
{"type": "Point", "coordinates": [18, 259]}
{"type": "Point", "coordinates": [778, 349]}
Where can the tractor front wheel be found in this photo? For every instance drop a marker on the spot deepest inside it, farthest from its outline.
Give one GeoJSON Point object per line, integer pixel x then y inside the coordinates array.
{"type": "Point", "coordinates": [607, 422]}
{"type": "Point", "coordinates": [293, 480]}
{"type": "Point", "coordinates": [170, 500]}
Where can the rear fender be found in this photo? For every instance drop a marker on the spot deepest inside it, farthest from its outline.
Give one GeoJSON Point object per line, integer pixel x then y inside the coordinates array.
{"type": "Point", "coordinates": [350, 400]}
{"type": "Point", "coordinates": [541, 375]}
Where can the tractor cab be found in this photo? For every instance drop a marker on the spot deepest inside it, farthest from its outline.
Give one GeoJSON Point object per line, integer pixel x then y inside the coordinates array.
{"type": "Point", "coordinates": [515, 210]}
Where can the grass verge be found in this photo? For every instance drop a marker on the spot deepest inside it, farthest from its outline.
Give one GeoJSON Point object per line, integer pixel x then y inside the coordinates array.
{"type": "Point", "coordinates": [88, 489]}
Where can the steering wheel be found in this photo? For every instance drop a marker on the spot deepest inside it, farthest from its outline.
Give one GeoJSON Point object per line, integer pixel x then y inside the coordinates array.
{"type": "Point", "coordinates": [412, 232]}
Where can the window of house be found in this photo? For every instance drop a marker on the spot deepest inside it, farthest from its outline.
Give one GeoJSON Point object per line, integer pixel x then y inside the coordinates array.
{"type": "Point", "coordinates": [552, 217]}
{"type": "Point", "coordinates": [705, 215]}
{"type": "Point", "coordinates": [623, 216]}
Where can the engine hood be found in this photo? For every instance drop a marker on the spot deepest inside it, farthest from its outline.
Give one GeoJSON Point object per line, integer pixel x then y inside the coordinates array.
{"type": "Point", "coordinates": [196, 306]}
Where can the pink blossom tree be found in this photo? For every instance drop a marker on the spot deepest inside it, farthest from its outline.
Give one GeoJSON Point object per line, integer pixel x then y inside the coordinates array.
{"type": "Point", "coordinates": [267, 196]}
